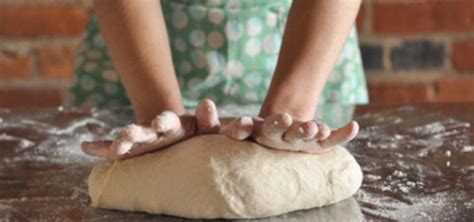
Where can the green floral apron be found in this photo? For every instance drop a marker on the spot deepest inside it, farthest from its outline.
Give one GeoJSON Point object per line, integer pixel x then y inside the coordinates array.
{"type": "Point", "coordinates": [223, 50]}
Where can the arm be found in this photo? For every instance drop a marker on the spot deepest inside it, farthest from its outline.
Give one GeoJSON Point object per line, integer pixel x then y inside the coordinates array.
{"type": "Point", "coordinates": [138, 44]}
{"type": "Point", "coordinates": [314, 36]}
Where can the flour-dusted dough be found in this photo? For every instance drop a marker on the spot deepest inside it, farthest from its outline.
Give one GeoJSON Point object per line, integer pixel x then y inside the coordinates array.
{"type": "Point", "coordinates": [213, 176]}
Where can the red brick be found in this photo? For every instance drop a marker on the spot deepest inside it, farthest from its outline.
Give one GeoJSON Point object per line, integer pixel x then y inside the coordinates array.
{"type": "Point", "coordinates": [42, 20]}
{"type": "Point", "coordinates": [423, 17]}
{"type": "Point", "coordinates": [455, 90]}
{"type": "Point", "coordinates": [56, 62]}
{"type": "Point", "coordinates": [13, 66]}
{"type": "Point", "coordinates": [399, 93]}
{"type": "Point", "coordinates": [463, 54]}
{"type": "Point", "coordinates": [360, 18]}
{"type": "Point", "coordinates": [30, 97]}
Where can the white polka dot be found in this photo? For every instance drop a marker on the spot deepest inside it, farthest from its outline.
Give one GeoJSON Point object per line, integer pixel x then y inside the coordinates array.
{"type": "Point", "coordinates": [93, 54]}
{"type": "Point", "coordinates": [197, 12]}
{"type": "Point", "coordinates": [180, 44]}
{"type": "Point", "coordinates": [179, 19]}
{"type": "Point", "coordinates": [340, 59]}
{"type": "Point", "coordinates": [194, 93]}
{"type": "Point", "coordinates": [87, 83]}
{"type": "Point", "coordinates": [334, 78]}
{"type": "Point", "coordinates": [270, 63]}
{"type": "Point", "coordinates": [234, 30]}
{"type": "Point", "coordinates": [212, 80]}
{"type": "Point", "coordinates": [348, 51]}
{"type": "Point", "coordinates": [352, 97]}
{"type": "Point", "coordinates": [197, 38]}
{"type": "Point", "coordinates": [253, 79]}
{"type": "Point", "coordinates": [271, 19]}
{"type": "Point", "coordinates": [216, 62]}
{"type": "Point", "coordinates": [193, 82]}
{"type": "Point", "coordinates": [212, 97]}
{"type": "Point", "coordinates": [253, 46]}
{"type": "Point", "coordinates": [266, 82]}
{"type": "Point", "coordinates": [254, 26]}
{"type": "Point", "coordinates": [346, 86]}
{"type": "Point", "coordinates": [234, 89]}
{"type": "Point", "coordinates": [90, 66]}
{"type": "Point", "coordinates": [333, 96]}
{"type": "Point", "coordinates": [348, 70]}
{"type": "Point", "coordinates": [110, 75]}
{"type": "Point", "coordinates": [216, 16]}
{"type": "Point", "coordinates": [271, 43]}
{"type": "Point", "coordinates": [199, 58]}
{"type": "Point", "coordinates": [231, 89]}
{"type": "Point", "coordinates": [233, 6]}
{"type": "Point", "coordinates": [215, 39]}
{"type": "Point", "coordinates": [184, 67]}
{"type": "Point", "coordinates": [234, 69]}
{"type": "Point", "coordinates": [213, 2]}
{"type": "Point", "coordinates": [251, 96]}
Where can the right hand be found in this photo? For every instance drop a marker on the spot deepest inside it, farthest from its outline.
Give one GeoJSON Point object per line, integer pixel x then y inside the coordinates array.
{"type": "Point", "coordinates": [165, 129]}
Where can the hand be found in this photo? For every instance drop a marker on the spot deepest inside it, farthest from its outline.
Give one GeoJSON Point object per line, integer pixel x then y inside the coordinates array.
{"type": "Point", "coordinates": [165, 129]}
{"type": "Point", "coordinates": [281, 131]}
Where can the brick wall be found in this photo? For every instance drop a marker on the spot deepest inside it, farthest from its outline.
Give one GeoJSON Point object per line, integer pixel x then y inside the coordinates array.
{"type": "Point", "coordinates": [37, 44]}
{"type": "Point", "coordinates": [413, 51]}
{"type": "Point", "coordinates": [418, 51]}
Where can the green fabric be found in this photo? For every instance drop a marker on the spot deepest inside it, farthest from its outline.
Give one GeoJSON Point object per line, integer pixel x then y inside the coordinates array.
{"type": "Point", "coordinates": [222, 50]}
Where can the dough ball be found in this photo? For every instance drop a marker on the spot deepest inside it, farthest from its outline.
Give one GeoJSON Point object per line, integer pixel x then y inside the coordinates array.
{"type": "Point", "coordinates": [213, 176]}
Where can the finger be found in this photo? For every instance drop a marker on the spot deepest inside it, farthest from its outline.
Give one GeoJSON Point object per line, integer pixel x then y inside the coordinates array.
{"type": "Point", "coordinates": [240, 128]}
{"type": "Point", "coordinates": [207, 118]}
{"type": "Point", "coordinates": [131, 135]}
{"type": "Point", "coordinates": [276, 125]}
{"type": "Point", "coordinates": [323, 131]}
{"type": "Point", "coordinates": [98, 149]}
{"type": "Point", "coordinates": [162, 141]}
{"type": "Point", "coordinates": [137, 134]}
{"type": "Point", "coordinates": [165, 122]}
{"type": "Point", "coordinates": [341, 135]}
{"type": "Point", "coordinates": [301, 132]}
{"type": "Point", "coordinates": [141, 148]}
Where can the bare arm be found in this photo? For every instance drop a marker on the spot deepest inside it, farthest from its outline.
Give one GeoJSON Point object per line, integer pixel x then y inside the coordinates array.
{"type": "Point", "coordinates": [315, 33]}
{"type": "Point", "coordinates": [137, 41]}
{"type": "Point", "coordinates": [314, 36]}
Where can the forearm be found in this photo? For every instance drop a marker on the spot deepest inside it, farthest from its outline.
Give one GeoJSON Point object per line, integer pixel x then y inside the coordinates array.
{"type": "Point", "coordinates": [314, 36]}
{"type": "Point", "coordinates": [138, 44]}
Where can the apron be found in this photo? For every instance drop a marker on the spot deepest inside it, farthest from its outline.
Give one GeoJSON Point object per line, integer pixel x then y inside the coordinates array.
{"type": "Point", "coordinates": [223, 50]}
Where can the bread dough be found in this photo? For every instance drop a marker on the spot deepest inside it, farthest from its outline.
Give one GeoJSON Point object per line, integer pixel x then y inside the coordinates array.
{"type": "Point", "coordinates": [213, 176]}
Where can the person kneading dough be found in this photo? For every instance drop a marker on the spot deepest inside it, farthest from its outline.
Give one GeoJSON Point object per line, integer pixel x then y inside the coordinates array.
{"type": "Point", "coordinates": [198, 166]}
